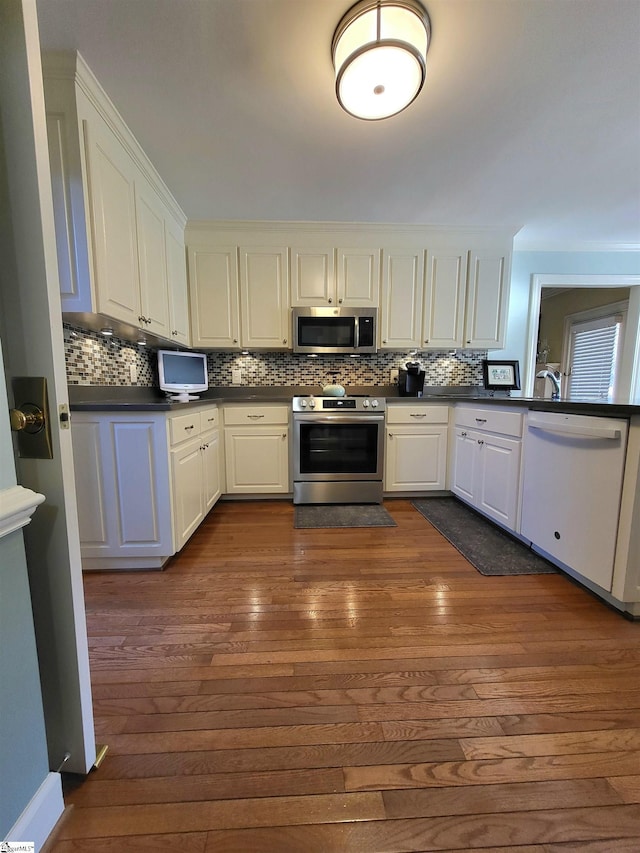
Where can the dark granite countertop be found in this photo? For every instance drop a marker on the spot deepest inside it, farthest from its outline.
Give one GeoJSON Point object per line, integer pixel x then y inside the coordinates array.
{"type": "Point", "coordinates": [131, 398]}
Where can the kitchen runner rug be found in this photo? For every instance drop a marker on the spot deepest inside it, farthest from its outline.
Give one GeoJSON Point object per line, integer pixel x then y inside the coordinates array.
{"type": "Point", "coordinates": [490, 550]}
{"type": "Point", "coordinates": [342, 515]}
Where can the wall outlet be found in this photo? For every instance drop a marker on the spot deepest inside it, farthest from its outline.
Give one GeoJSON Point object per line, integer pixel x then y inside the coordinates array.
{"type": "Point", "coordinates": [393, 375]}
{"type": "Point", "coordinates": [133, 373]}
{"type": "Point", "coordinates": [236, 376]}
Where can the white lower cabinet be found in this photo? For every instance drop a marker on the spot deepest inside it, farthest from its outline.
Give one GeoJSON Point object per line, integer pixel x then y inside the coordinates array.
{"type": "Point", "coordinates": [144, 482]}
{"type": "Point", "coordinates": [486, 457]}
{"type": "Point", "coordinates": [256, 441]}
{"type": "Point", "coordinates": [123, 489]}
{"type": "Point", "coordinates": [416, 447]}
{"type": "Point", "coordinates": [196, 469]}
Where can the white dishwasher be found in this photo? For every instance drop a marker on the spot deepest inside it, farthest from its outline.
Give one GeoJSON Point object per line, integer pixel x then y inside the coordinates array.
{"type": "Point", "coordinates": [572, 483]}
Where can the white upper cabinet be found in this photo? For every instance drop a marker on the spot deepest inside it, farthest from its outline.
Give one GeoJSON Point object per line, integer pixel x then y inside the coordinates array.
{"type": "Point", "coordinates": [344, 277]}
{"type": "Point", "coordinates": [154, 283]}
{"type": "Point", "coordinates": [444, 299]}
{"type": "Point", "coordinates": [402, 294]}
{"type": "Point", "coordinates": [487, 300]}
{"type": "Point", "coordinates": [112, 177]}
{"type": "Point", "coordinates": [119, 231]}
{"type": "Point", "coordinates": [214, 297]}
{"type": "Point", "coordinates": [313, 277]}
{"type": "Point", "coordinates": [177, 277]}
{"type": "Point", "coordinates": [264, 289]}
{"type": "Point", "coordinates": [358, 277]}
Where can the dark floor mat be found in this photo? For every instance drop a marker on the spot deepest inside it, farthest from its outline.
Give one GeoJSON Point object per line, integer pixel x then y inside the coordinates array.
{"type": "Point", "coordinates": [485, 546]}
{"type": "Point", "coordinates": [342, 515]}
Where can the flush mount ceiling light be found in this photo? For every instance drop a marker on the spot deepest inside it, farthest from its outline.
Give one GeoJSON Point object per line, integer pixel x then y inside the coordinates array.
{"type": "Point", "coordinates": [379, 54]}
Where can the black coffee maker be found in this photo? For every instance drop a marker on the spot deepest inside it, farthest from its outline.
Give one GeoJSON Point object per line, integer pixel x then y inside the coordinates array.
{"type": "Point", "coordinates": [411, 380]}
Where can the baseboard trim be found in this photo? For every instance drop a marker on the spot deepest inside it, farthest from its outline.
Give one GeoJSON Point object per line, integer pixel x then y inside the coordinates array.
{"type": "Point", "coordinates": [41, 814]}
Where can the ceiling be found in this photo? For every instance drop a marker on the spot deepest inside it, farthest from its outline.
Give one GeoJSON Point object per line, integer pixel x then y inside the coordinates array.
{"type": "Point", "coordinates": [529, 118]}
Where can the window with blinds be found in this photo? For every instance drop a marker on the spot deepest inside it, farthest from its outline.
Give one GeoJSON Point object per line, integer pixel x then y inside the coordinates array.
{"type": "Point", "coordinates": [592, 357]}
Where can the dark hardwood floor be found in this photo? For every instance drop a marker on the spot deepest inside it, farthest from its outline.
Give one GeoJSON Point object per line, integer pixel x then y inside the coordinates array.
{"type": "Point", "coordinates": [279, 690]}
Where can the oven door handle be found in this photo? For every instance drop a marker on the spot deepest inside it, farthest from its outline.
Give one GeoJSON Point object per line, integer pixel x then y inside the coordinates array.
{"type": "Point", "coordinates": [337, 419]}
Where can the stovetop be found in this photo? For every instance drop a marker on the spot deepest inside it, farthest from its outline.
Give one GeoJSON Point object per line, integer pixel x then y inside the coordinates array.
{"type": "Point", "coordinates": [354, 403]}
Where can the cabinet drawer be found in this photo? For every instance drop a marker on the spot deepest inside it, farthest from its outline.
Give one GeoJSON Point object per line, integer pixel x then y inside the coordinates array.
{"type": "Point", "coordinates": [209, 419]}
{"type": "Point", "coordinates": [252, 414]}
{"type": "Point", "coordinates": [182, 427]}
{"type": "Point", "coordinates": [418, 414]}
{"type": "Point", "coordinates": [506, 423]}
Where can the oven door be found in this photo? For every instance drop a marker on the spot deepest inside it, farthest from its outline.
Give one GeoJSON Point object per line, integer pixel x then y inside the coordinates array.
{"type": "Point", "coordinates": [337, 447]}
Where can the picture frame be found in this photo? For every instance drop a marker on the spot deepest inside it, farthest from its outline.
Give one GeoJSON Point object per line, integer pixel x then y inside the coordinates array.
{"type": "Point", "coordinates": [501, 375]}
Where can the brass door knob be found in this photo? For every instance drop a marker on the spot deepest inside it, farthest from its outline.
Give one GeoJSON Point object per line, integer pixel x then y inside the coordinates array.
{"type": "Point", "coordinates": [29, 418]}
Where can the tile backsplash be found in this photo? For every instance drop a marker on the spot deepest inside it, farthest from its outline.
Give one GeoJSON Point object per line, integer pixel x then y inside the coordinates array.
{"type": "Point", "coordinates": [96, 360]}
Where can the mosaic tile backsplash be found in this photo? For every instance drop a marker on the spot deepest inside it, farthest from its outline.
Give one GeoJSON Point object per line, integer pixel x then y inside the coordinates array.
{"type": "Point", "coordinates": [95, 360]}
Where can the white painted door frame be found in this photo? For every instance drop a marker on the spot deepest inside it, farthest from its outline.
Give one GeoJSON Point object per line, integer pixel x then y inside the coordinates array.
{"type": "Point", "coordinates": [32, 338]}
{"type": "Point", "coordinates": [630, 361]}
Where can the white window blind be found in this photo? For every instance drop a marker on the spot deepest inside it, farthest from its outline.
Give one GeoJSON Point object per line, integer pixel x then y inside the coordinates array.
{"type": "Point", "coordinates": [593, 357]}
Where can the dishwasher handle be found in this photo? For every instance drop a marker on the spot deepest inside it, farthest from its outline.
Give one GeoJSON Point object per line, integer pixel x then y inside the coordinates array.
{"type": "Point", "coordinates": [579, 430]}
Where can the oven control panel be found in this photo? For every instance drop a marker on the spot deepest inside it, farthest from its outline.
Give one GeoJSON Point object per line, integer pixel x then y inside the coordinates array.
{"type": "Point", "coordinates": [338, 404]}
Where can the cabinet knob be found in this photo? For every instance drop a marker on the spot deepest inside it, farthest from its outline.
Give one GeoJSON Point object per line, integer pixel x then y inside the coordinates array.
{"type": "Point", "coordinates": [384, 342]}
{"type": "Point", "coordinates": [284, 340]}
{"type": "Point", "coordinates": [235, 340]}
{"type": "Point", "coordinates": [480, 441]}
{"type": "Point", "coordinates": [330, 300]}
{"type": "Point", "coordinates": [468, 342]}
{"type": "Point", "coordinates": [284, 435]}
{"type": "Point", "coordinates": [174, 332]}
{"type": "Point", "coordinates": [427, 341]}
{"type": "Point", "coordinates": [390, 435]}
{"type": "Point", "coordinates": [340, 301]}
{"type": "Point", "coordinates": [463, 434]}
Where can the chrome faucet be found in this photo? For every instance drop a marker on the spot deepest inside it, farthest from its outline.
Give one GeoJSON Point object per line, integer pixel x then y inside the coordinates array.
{"type": "Point", "coordinates": [554, 376]}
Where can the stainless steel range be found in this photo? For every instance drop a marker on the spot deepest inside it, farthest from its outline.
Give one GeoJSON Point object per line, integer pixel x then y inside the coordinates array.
{"type": "Point", "coordinates": [338, 448]}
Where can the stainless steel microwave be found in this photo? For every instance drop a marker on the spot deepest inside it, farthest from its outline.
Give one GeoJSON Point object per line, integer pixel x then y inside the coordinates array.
{"type": "Point", "coordinates": [335, 330]}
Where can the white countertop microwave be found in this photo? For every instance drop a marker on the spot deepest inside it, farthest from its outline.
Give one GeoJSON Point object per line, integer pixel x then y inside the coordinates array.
{"type": "Point", "coordinates": [335, 330]}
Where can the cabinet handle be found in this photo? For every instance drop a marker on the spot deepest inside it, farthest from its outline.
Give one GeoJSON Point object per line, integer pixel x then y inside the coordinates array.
{"type": "Point", "coordinates": [255, 417]}
{"type": "Point", "coordinates": [191, 426]}
{"type": "Point", "coordinates": [481, 420]}
{"type": "Point", "coordinates": [417, 414]}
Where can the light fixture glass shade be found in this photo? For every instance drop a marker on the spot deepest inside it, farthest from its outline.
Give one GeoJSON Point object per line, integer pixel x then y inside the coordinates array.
{"type": "Point", "coordinates": [379, 54]}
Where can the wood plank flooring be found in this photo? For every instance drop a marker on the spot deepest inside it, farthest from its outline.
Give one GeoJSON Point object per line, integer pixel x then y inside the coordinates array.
{"type": "Point", "coordinates": [278, 690]}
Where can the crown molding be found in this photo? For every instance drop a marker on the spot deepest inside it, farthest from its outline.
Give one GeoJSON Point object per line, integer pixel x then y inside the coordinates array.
{"type": "Point", "coordinates": [524, 245]}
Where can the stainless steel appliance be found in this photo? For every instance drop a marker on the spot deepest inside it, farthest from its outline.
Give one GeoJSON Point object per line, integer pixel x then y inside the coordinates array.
{"type": "Point", "coordinates": [338, 449]}
{"type": "Point", "coordinates": [335, 330]}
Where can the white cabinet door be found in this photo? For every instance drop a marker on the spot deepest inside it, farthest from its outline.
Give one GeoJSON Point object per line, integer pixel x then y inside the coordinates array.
{"type": "Point", "coordinates": [152, 259]}
{"type": "Point", "coordinates": [214, 297]}
{"type": "Point", "coordinates": [402, 292]}
{"type": "Point", "coordinates": [415, 458]}
{"type": "Point", "coordinates": [177, 281]}
{"type": "Point", "coordinates": [122, 481]}
{"type": "Point", "coordinates": [444, 299]}
{"type": "Point", "coordinates": [211, 466]}
{"type": "Point", "coordinates": [111, 174]}
{"type": "Point", "coordinates": [257, 459]}
{"type": "Point", "coordinates": [487, 300]}
{"type": "Point", "coordinates": [358, 278]}
{"type": "Point", "coordinates": [188, 490]}
{"type": "Point", "coordinates": [465, 461]}
{"type": "Point", "coordinates": [264, 284]}
{"type": "Point", "coordinates": [498, 478]}
{"type": "Point", "coordinates": [312, 277]}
